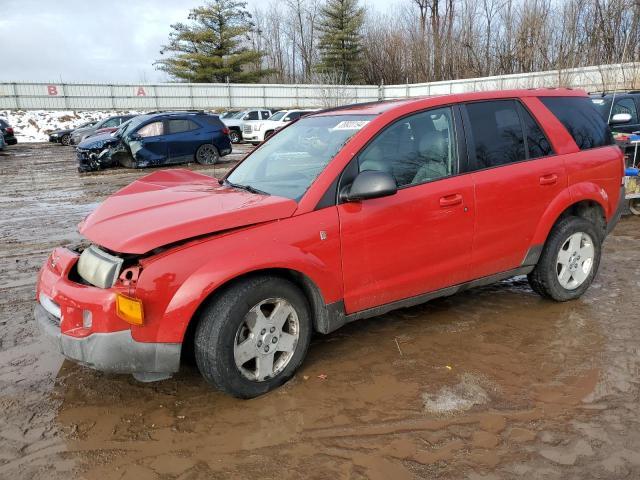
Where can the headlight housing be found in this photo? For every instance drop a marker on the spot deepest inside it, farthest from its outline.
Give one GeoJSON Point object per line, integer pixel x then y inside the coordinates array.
{"type": "Point", "coordinates": [98, 267]}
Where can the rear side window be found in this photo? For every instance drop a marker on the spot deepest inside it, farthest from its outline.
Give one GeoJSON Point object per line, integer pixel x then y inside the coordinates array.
{"type": "Point", "coordinates": [497, 133]}
{"type": "Point", "coordinates": [181, 125]}
{"type": "Point", "coordinates": [581, 119]}
{"type": "Point", "coordinates": [537, 142]}
{"type": "Point", "coordinates": [252, 115]}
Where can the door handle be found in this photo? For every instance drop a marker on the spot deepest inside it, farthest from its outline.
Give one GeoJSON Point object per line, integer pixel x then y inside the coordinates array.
{"type": "Point", "coordinates": [451, 200]}
{"type": "Point", "coordinates": [550, 179]}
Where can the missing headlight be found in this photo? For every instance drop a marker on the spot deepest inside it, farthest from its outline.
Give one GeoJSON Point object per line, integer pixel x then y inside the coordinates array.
{"type": "Point", "coordinates": [98, 267]}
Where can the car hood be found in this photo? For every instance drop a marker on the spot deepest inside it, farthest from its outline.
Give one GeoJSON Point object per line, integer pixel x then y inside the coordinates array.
{"type": "Point", "coordinates": [98, 141]}
{"type": "Point", "coordinates": [232, 122]}
{"type": "Point", "coordinates": [174, 205]}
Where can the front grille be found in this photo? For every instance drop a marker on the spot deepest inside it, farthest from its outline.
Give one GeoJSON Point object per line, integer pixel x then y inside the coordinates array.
{"type": "Point", "coordinates": [246, 129]}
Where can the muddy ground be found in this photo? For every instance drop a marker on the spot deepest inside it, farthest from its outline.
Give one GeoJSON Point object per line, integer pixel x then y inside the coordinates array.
{"type": "Point", "coordinates": [491, 383]}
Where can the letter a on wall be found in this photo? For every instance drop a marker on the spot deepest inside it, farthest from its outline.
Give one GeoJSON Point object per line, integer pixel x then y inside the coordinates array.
{"type": "Point", "coordinates": [52, 90]}
{"type": "Point", "coordinates": [140, 92]}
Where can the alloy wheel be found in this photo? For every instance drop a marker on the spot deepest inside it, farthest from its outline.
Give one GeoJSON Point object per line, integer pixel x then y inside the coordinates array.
{"type": "Point", "coordinates": [266, 340]}
{"type": "Point", "coordinates": [575, 260]}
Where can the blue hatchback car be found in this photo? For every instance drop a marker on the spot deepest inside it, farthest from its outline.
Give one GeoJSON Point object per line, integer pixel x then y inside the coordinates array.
{"type": "Point", "coordinates": [158, 139]}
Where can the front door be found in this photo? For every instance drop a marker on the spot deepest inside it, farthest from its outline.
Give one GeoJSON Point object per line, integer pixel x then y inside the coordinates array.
{"type": "Point", "coordinates": [418, 240]}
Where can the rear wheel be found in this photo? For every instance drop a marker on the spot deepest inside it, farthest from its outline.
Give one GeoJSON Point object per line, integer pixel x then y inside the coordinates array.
{"type": "Point", "coordinates": [66, 140]}
{"type": "Point", "coordinates": [207, 154]}
{"type": "Point", "coordinates": [253, 336]}
{"type": "Point", "coordinates": [235, 136]}
{"type": "Point", "coordinates": [569, 260]}
{"type": "Point", "coordinates": [634, 206]}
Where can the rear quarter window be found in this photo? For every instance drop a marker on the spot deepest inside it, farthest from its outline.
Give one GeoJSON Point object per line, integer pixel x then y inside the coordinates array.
{"type": "Point", "coordinates": [581, 119]}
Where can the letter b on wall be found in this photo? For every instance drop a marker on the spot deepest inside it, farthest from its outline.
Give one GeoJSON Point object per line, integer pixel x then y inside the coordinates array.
{"type": "Point", "coordinates": [52, 90]}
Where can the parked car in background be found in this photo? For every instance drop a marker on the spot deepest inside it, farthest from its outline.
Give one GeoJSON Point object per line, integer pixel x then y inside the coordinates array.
{"type": "Point", "coordinates": [3, 144]}
{"type": "Point", "coordinates": [158, 139]}
{"type": "Point", "coordinates": [344, 214]}
{"type": "Point", "coordinates": [623, 103]}
{"type": "Point", "coordinates": [7, 132]}
{"type": "Point", "coordinates": [228, 114]}
{"type": "Point", "coordinates": [81, 133]}
{"type": "Point", "coordinates": [63, 136]}
{"type": "Point", "coordinates": [236, 122]}
{"type": "Point", "coordinates": [257, 131]}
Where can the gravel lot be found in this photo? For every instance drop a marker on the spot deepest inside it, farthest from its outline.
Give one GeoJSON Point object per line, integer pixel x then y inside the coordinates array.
{"type": "Point", "coordinates": [491, 383]}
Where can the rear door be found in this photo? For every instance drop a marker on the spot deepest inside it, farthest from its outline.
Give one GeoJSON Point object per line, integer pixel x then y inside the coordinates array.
{"type": "Point", "coordinates": [183, 137]}
{"type": "Point", "coordinates": [418, 240]}
{"type": "Point", "coordinates": [516, 176]}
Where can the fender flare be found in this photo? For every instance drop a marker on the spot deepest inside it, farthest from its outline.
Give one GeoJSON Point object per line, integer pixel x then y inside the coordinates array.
{"type": "Point", "coordinates": [211, 276]}
{"type": "Point", "coordinates": [584, 191]}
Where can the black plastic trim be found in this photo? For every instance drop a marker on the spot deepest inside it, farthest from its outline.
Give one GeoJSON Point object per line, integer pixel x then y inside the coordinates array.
{"type": "Point", "coordinates": [336, 317]}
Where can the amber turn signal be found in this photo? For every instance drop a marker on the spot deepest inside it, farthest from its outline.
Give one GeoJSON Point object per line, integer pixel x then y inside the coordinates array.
{"type": "Point", "coordinates": [129, 309]}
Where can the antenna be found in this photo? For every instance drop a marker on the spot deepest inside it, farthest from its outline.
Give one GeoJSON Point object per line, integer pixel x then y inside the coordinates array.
{"type": "Point", "coordinates": [613, 99]}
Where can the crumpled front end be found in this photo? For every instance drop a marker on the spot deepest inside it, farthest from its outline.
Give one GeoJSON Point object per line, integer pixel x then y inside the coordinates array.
{"type": "Point", "coordinates": [82, 322]}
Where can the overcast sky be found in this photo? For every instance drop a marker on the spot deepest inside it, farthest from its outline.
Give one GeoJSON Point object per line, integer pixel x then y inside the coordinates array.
{"type": "Point", "coordinates": [88, 40]}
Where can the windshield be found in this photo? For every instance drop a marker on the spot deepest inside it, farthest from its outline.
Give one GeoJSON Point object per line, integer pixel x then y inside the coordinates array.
{"type": "Point", "coordinates": [128, 125]}
{"type": "Point", "coordinates": [290, 161]}
{"type": "Point", "coordinates": [277, 116]}
{"type": "Point", "coordinates": [229, 114]}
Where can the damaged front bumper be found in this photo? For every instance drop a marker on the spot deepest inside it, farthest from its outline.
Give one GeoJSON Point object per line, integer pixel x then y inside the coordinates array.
{"type": "Point", "coordinates": [81, 322]}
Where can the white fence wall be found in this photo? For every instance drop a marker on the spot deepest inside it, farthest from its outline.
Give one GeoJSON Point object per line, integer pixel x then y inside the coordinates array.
{"type": "Point", "coordinates": [208, 96]}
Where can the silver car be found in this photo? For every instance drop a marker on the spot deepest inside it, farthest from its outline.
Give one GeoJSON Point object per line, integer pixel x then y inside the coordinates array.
{"type": "Point", "coordinates": [111, 122]}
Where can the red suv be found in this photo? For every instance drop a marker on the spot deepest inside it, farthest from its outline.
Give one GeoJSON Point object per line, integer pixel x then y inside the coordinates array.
{"type": "Point", "coordinates": [344, 214]}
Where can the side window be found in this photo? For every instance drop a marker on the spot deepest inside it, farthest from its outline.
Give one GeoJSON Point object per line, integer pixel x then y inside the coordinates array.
{"type": "Point", "coordinates": [152, 130]}
{"type": "Point", "coordinates": [295, 115]}
{"type": "Point", "coordinates": [253, 115]}
{"type": "Point", "coordinates": [581, 119]}
{"type": "Point", "coordinates": [265, 114]}
{"type": "Point", "coordinates": [497, 133]}
{"type": "Point", "coordinates": [181, 125]}
{"type": "Point", "coordinates": [537, 143]}
{"type": "Point", "coordinates": [626, 105]}
{"type": "Point", "coordinates": [415, 149]}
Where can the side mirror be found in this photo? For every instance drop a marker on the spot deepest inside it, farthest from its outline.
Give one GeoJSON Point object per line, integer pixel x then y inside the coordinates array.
{"type": "Point", "coordinates": [370, 184]}
{"type": "Point", "coordinates": [619, 118]}
{"type": "Point", "coordinates": [286, 119]}
{"type": "Point", "coordinates": [246, 117]}
{"type": "Point", "coordinates": [135, 136]}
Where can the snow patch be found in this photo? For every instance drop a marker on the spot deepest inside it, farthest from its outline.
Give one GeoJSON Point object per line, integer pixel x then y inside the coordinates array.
{"type": "Point", "coordinates": [35, 125]}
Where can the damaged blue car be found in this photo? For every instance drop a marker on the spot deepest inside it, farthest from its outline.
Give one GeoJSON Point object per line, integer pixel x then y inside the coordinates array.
{"type": "Point", "coordinates": [157, 139]}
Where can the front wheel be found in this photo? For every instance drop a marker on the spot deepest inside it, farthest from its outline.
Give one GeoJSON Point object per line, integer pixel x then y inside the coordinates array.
{"type": "Point", "coordinates": [207, 154]}
{"type": "Point", "coordinates": [569, 260]}
{"type": "Point", "coordinates": [235, 136]}
{"type": "Point", "coordinates": [253, 336]}
{"type": "Point", "coordinates": [66, 140]}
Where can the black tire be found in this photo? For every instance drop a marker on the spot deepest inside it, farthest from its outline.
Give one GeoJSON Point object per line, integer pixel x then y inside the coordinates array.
{"type": "Point", "coordinates": [235, 136]}
{"type": "Point", "coordinates": [207, 154]}
{"type": "Point", "coordinates": [65, 140]}
{"type": "Point", "coordinates": [544, 277]}
{"type": "Point", "coordinates": [268, 133]}
{"type": "Point", "coordinates": [220, 321]}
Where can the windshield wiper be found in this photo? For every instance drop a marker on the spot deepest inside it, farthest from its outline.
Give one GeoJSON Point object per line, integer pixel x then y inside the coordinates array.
{"type": "Point", "coordinates": [247, 188]}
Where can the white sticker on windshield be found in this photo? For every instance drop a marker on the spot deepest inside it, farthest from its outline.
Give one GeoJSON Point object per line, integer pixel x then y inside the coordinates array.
{"type": "Point", "coordinates": [350, 125]}
{"type": "Point", "coordinates": [597, 101]}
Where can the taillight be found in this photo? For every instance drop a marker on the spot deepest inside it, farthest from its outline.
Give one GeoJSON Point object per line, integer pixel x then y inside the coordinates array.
{"type": "Point", "coordinates": [9, 130]}
{"type": "Point", "coordinates": [226, 131]}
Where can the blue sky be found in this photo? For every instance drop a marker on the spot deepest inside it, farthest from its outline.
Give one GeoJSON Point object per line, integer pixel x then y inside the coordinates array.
{"type": "Point", "coordinates": [86, 40]}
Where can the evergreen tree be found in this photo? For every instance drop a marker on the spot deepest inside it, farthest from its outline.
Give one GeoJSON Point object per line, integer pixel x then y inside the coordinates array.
{"type": "Point", "coordinates": [213, 46]}
{"type": "Point", "coordinates": [340, 26]}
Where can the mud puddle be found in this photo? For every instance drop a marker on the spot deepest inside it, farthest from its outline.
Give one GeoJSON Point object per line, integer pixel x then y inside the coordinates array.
{"type": "Point", "coordinates": [491, 383]}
